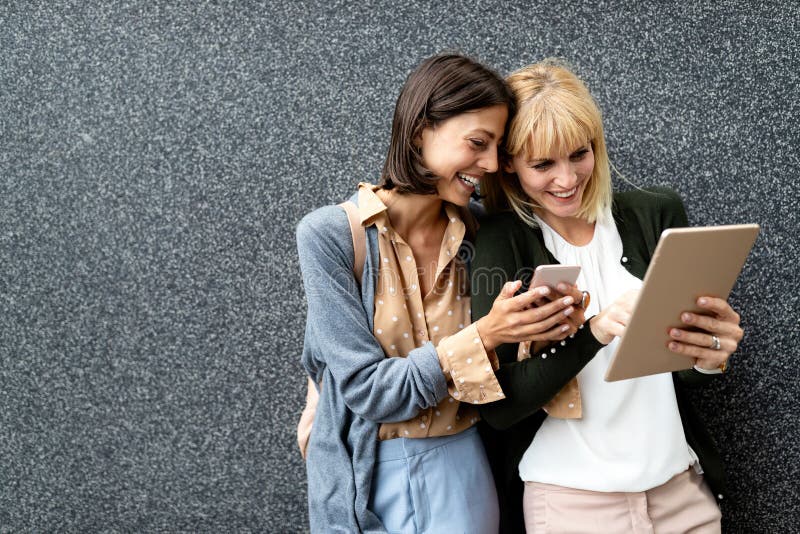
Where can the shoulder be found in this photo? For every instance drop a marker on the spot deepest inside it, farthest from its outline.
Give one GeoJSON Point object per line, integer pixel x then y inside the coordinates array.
{"type": "Point", "coordinates": [327, 222]}
{"type": "Point", "coordinates": [499, 226]}
{"type": "Point", "coordinates": [650, 201]}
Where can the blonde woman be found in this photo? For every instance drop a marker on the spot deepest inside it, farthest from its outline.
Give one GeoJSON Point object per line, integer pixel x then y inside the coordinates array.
{"type": "Point", "coordinates": [594, 456]}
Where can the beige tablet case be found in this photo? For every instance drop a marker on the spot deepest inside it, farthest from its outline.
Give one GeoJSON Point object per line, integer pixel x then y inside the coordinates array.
{"type": "Point", "coordinates": [687, 263]}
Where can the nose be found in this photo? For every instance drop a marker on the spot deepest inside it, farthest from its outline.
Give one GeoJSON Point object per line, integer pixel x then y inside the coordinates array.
{"type": "Point", "coordinates": [566, 176]}
{"type": "Point", "coordinates": [489, 160]}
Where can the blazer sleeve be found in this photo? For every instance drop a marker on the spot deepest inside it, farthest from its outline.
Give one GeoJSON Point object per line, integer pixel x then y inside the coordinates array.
{"type": "Point", "coordinates": [373, 386]}
{"type": "Point", "coordinates": [531, 383]}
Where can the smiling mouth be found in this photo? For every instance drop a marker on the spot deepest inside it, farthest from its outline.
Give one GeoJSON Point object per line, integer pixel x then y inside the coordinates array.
{"type": "Point", "coordinates": [564, 194]}
{"type": "Point", "coordinates": [469, 181]}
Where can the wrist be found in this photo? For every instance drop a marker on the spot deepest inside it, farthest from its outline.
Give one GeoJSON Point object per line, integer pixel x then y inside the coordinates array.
{"type": "Point", "coordinates": [484, 333]}
{"type": "Point", "coordinates": [602, 337]}
{"type": "Point", "coordinates": [711, 370]}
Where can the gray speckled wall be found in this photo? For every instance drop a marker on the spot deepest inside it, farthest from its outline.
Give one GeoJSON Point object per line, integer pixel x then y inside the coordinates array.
{"type": "Point", "coordinates": [156, 156]}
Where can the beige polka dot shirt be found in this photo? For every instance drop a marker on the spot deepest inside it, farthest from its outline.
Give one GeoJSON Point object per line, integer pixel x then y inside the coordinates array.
{"type": "Point", "coordinates": [405, 319]}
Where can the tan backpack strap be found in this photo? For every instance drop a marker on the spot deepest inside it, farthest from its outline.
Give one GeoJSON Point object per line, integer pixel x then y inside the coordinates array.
{"type": "Point", "coordinates": [359, 238]}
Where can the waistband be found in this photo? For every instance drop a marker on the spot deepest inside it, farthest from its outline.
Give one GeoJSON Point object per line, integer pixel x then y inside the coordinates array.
{"type": "Point", "coordinates": [400, 448]}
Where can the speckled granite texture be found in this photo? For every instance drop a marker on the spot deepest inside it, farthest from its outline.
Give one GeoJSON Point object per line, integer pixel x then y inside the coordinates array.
{"type": "Point", "coordinates": [156, 156]}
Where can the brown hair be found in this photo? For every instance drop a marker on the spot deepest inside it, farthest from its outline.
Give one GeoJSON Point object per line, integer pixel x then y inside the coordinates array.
{"type": "Point", "coordinates": [441, 87]}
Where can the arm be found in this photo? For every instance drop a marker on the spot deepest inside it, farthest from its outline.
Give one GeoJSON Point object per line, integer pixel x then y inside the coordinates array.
{"type": "Point", "coordinates": [528, 384]}
{"type": "Point", "coordinates": [531, 383]}
{"type": "Point", "coordinates": [374, 387]}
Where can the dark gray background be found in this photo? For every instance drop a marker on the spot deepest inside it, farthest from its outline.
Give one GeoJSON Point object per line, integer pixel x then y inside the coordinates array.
{"type": "Point", "coordinates": [155, 158]}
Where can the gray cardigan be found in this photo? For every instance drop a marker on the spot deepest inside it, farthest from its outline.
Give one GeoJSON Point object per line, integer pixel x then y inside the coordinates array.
{"type": "Point", "coordinates": [361, 388]}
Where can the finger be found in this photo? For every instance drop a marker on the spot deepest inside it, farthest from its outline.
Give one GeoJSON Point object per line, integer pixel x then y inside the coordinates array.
{"type": "Point", "coordinates": [509, 289]}
{"type": "Point", "coordinates": [710, 358]}
{"type": "Point", "coordinates": [702, 339]}
{"type": "Point", "coordinates": [555, 306]}
{"type": "Point", "coordinates": [619, 315]}
{"type": "Point", "coordinates": [542, 300]}
{"type": "Point", "coordinates": [713, 325]}
{"type": "Point", "coordinates": [719, 307]}
{"type": "Point", "coordinates": [572, 291]}
{"type": "Point", "coordinates": [614, 328]}
{"type": "Point", "coordinates": [528, 326]}
{"type": "Point", "coordinates": [557, 333]}
{"type": "Point", "coordinates": [529, 298]}
{"type": "Point", "coordinates": [543, 318]}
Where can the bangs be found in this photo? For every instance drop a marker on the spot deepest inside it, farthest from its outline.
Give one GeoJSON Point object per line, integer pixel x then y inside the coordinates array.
{"type": "Point", "coordinates": [556, 116]}
{"type": "Point", "coordinates": [548, 128]}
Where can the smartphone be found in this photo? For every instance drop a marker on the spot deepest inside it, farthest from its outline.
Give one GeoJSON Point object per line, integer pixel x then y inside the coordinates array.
{"type": "Point", "coordinates": [552, 275]}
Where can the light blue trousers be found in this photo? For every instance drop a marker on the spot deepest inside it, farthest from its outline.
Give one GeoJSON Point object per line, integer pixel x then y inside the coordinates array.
{"type": "Point", "coordinates": [435, 485]}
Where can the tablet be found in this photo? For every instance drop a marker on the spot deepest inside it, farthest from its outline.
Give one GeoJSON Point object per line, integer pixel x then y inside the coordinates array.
{"type": "Point", "coordinates": [687, 263]}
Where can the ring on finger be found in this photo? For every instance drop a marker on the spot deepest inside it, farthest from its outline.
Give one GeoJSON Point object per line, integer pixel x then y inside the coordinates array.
{"type": "Point", "coordinates": [715, 344]}
{"type": "Point", "coordinates": [585, 299]}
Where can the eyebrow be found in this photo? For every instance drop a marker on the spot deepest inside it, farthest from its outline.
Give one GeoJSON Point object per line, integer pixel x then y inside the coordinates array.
{"type": "Point", "coordinates": [487, 132]}
{"type": "Point", "coordinates": [582, 147]}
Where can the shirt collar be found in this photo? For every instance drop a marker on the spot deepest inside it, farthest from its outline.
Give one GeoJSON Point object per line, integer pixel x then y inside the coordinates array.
{"type": "Point", "coordinates": [369, 203]}
{"type": "Point", "coordinates": [370, 206]}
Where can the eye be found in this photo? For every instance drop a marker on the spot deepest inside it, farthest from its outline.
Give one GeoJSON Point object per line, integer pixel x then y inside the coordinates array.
{"type": "Point", "coordinates": [542, 165]}
{"type": "Point", "coordinates": [477, 143]}
{"type": "Point", "coordinates": [579, 154]}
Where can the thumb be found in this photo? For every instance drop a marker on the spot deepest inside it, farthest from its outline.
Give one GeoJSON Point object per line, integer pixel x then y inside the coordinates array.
{"type": "Point", "coordinates": [509, 288]}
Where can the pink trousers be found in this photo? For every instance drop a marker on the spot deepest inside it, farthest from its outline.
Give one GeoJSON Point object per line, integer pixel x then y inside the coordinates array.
{"type": "Point", "coordinates": [682, 504]}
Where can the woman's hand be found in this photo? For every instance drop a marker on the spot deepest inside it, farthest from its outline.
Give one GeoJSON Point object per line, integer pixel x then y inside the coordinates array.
{"type": "Point", "coordinates": [719, 336]}
{"type": "Point", "coordinates": [578, 317]}
{"type": "Point", "coordinates": [612, 321]}
{"type": "Point", "coordinates": [528, 316]}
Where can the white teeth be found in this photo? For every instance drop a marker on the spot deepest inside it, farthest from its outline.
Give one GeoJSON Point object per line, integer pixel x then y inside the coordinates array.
{"type": "Point", "coordinates": [565, 194]}
{"type": "Point", "coordinates": [469, 179]}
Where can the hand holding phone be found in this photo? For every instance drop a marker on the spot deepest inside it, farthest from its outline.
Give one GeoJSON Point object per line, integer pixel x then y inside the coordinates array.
{"type": "Point", "coordinates": [551, 276]}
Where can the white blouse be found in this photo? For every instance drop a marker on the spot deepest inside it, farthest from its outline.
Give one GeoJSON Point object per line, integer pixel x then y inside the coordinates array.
{"type": "Point", "coordinates": [630, 437]}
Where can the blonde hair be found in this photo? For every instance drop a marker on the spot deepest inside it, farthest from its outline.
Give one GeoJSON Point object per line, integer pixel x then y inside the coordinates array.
{"type": "Point", "coordinates": [555, 113]}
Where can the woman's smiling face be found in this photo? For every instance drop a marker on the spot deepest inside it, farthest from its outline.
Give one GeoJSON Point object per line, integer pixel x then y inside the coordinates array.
{"type": "Point", "coordinates": [556, 182]}
{"type": "Point", "coordinates": [462, 150]}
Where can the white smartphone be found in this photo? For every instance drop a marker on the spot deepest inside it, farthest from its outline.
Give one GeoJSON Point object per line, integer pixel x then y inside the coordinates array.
{"type": "Point", "coordinates": [552, 275]}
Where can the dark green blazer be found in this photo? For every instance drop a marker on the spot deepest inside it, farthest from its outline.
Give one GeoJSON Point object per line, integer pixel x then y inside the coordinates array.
{"type": "Point", "coordinates": [508, 249]}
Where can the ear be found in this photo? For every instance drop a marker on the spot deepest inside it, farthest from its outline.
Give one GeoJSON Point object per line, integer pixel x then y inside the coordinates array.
{"type": "Point", "coordinates": [508, 166]}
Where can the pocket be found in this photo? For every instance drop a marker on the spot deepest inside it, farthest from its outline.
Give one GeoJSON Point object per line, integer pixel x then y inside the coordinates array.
{"type": "Point", "coordinates": [572, 511]}
{"type": "Point", "coordinates": [390, 498]}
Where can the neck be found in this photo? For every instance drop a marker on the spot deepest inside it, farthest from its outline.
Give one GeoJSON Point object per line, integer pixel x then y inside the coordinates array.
{"type": "Point", "coordinates": [574, 230]}
{"type": "Point", "coordinates": [411, 213]}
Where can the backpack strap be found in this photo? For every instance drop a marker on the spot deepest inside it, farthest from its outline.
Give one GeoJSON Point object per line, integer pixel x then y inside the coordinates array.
{"type": "Point", "coordinates": [359, 236]}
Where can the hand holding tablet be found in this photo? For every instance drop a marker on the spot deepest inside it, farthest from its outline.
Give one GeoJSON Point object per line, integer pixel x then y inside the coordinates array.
{"type": "Point", "coordinates": [688, 263]}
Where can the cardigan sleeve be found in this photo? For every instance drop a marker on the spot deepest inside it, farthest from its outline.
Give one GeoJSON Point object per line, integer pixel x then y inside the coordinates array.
{"type": "Point", "coordinates": [374, 387]}
{"type": "Point", "coordinates": [531, 383]}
